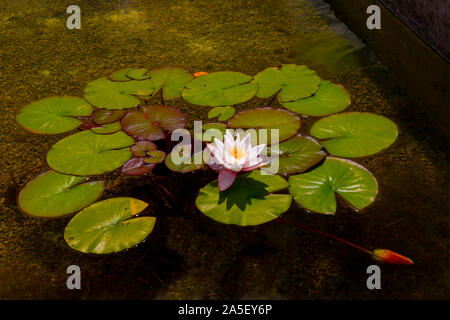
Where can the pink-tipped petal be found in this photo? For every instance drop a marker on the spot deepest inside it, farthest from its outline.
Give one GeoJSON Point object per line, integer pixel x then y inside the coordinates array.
{"type": "Point", "coordinates": [226, 179]}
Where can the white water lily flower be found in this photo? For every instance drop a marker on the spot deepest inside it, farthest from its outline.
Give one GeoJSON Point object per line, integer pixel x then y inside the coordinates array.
{"type": "Point", "coordinates": [232, 156]}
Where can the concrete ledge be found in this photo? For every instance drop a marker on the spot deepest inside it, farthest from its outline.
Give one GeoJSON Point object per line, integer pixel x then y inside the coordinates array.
{"type": "Point", "coordinates": [418, 68]}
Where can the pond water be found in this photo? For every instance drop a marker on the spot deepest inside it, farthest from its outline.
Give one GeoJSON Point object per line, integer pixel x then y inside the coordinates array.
{"type": "Point", "coordinates": [197, 257]}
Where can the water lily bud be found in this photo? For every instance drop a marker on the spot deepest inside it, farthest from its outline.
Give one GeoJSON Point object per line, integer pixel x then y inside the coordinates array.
{"type": "Point", "coordinates": [388, 256]}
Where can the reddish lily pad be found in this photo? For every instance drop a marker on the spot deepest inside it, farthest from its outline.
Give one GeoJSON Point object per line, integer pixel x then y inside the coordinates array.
{"type": "Point", "coordinates": [286, 122]}
{"type": "Point", "coordinates": [137, 167]}
{"type": "Point", "coordinates": [141, 148]}
{"type": "Point", "coordinates": [148, 122]}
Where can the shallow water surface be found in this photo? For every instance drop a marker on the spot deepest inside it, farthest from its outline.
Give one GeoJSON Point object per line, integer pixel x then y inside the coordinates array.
{"type": "Point", "coordinates": [193, 256]}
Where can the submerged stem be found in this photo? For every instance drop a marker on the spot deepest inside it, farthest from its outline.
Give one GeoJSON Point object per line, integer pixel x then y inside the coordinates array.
{"type": "Point", "coordinates": [324, 234]}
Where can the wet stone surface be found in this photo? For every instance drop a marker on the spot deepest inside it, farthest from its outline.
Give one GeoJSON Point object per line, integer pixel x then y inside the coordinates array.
{"type": "Point", "coordinates": [189, 255]}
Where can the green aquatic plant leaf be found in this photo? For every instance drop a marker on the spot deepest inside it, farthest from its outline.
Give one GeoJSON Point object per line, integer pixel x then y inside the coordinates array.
{"type": "Point", "coordinates": [286, 122]}
{"type": "Point", "coordinates": [355, 134]}
{"type": "Point", "coordinates": [248, 202]}
{"type": "Point", "coordinates": [155, 156]}
{"type": "Point", "coordinates": [293, 82]}
{"type": "Point", "coordinates": [210, 131]}
{"type": "Point", "coordinates": [331, 98]}
{"type": "Point", "coordinates": [52, 194]}
{"type": "Point", "coordinates": [54, 115]}
{"type": "Point", "coordinates": [119, 75]}
{"type": "Point", "coordinates": [138, 74]}
{"type": "Point", "coordinates": [107, 128]}
{"type": "Point", "coordinates": [223, 113]}
{"type": "Point", "coordinates": [106, 94]}
{"type": "Point", "coordinates": [86, 153]}
{"type": "Point", "coordinates": [223, 88]}
{"type": "Point", "coordinates": [148, 122]}
{"type": "Point", "coordinates": [109, 226]}
{"type": "Point", "coordinates": [104, 116]}
{"type": "Point", "coordinates": [295, 155]}
{"type": "Point", "coordinates": [315, 190]}
{"type": "Point", "coordinates": [171, 80]}
{"type": "Point", "coordinates": [181, 160]}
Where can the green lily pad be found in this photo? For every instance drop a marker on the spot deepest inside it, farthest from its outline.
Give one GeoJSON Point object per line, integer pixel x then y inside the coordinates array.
{"type": "Point", "coordinates": [331, 98]}
{"type": "Point", "coordinates": [210, 131]}
{"type": "Point", "coordinates": [86, 153]}
{"type": "Point", "coordinates": [315, 190]}
{"type": "Point", "coordinates": [109, 226]}
{"type": "Point", "coordinates": [293, 82]}
{"type": "Point", "coordinates": [155, 156]}
{"type": "Point", "coordinates": [171, 79]}
{"type": "Point", "coordinates": [179, 161]}
{"type": "Point", "coordinates": [295, 155]}
{"type": "Point", "coordinates": [148, 122]}
{"type": "Point", "coordinates": [224, 88]}
{"type": "Point", "coordinates": [355, 134]}
{"type": "Point", "coordinates": [247, 202]}
{"type": "Point", "coordinates": [54, 115]}
{"type": "Point", "coordinates": [107, 94]}
{"type": "Point", "coordinates": [104, 116]}
{"type": "Point", "coordinates": [52, 194]}
{"type": "Point", "coordinates": [119, 75]}
{"type": "Point", "coordinates": [138, 74]}
{"type": "Point", "coordinates": [224, 113]}
{"type": "Point", "coordinates": [107, 128]}
{"type": "Point", "coordinates": [267, 118]}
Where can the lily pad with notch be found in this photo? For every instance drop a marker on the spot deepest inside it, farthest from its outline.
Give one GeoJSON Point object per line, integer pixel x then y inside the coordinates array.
{"type": "Point", "coordinates": [119, 75]}
{"type": "Point", "coordinates": [286, 122]}
{"type": "Point", "coordinates": [223, 88]}
{"type": "Point", "coordinates": [138, 74]}
{"type": "Point", "coordinates": [86, 153]}
{"type": "Point", "coordinates": [171, 80]}
{"type": "Point", "coordinates": [295, 155]}
{"type": "Point", "coordinates": [104, 116]}
{"type": "Point", "coordinates": [52, 194]}
{"type": "Point", "coordinates": [179, 160]}
{"type": "Point", "coordinates": [212, 130]}
{"type": "Point", "coordinates": [331, 98]}
{"type": "Point", "coordinates": [221, 113]}
{"type": "Point", "coordinates": [355, 134]}
{"type": "Point", "coordinates": [54, 115]}
{"type": "Point", "coordinates": [248, 202]}
{"type": "Point", "coordinates": [292, 82]}
{"type": "Point", "coordinates": [107, 94]}
{"type": "Point", "coordinates": [107, 128]}
{"type": "Point", "coordinates": [315, 190]}
{"type": "Point", "coordinates": [148, 123]}
{"type": "Point", "coordinates": [109, 226]}
{"type": "Point", "coordinates": [137, 167]}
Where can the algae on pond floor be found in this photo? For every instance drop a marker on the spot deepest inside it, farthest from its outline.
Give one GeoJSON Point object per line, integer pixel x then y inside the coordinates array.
{"type": "Point", "coordinates": [40, 57]}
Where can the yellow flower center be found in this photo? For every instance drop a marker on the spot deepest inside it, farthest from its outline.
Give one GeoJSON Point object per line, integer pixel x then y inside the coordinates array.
{"type": "Point", "coordinates": [237, 153]}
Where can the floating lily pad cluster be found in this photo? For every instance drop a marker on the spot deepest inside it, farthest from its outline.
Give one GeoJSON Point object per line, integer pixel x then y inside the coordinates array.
{"type": "Point", "coordinates": [118, 129]}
